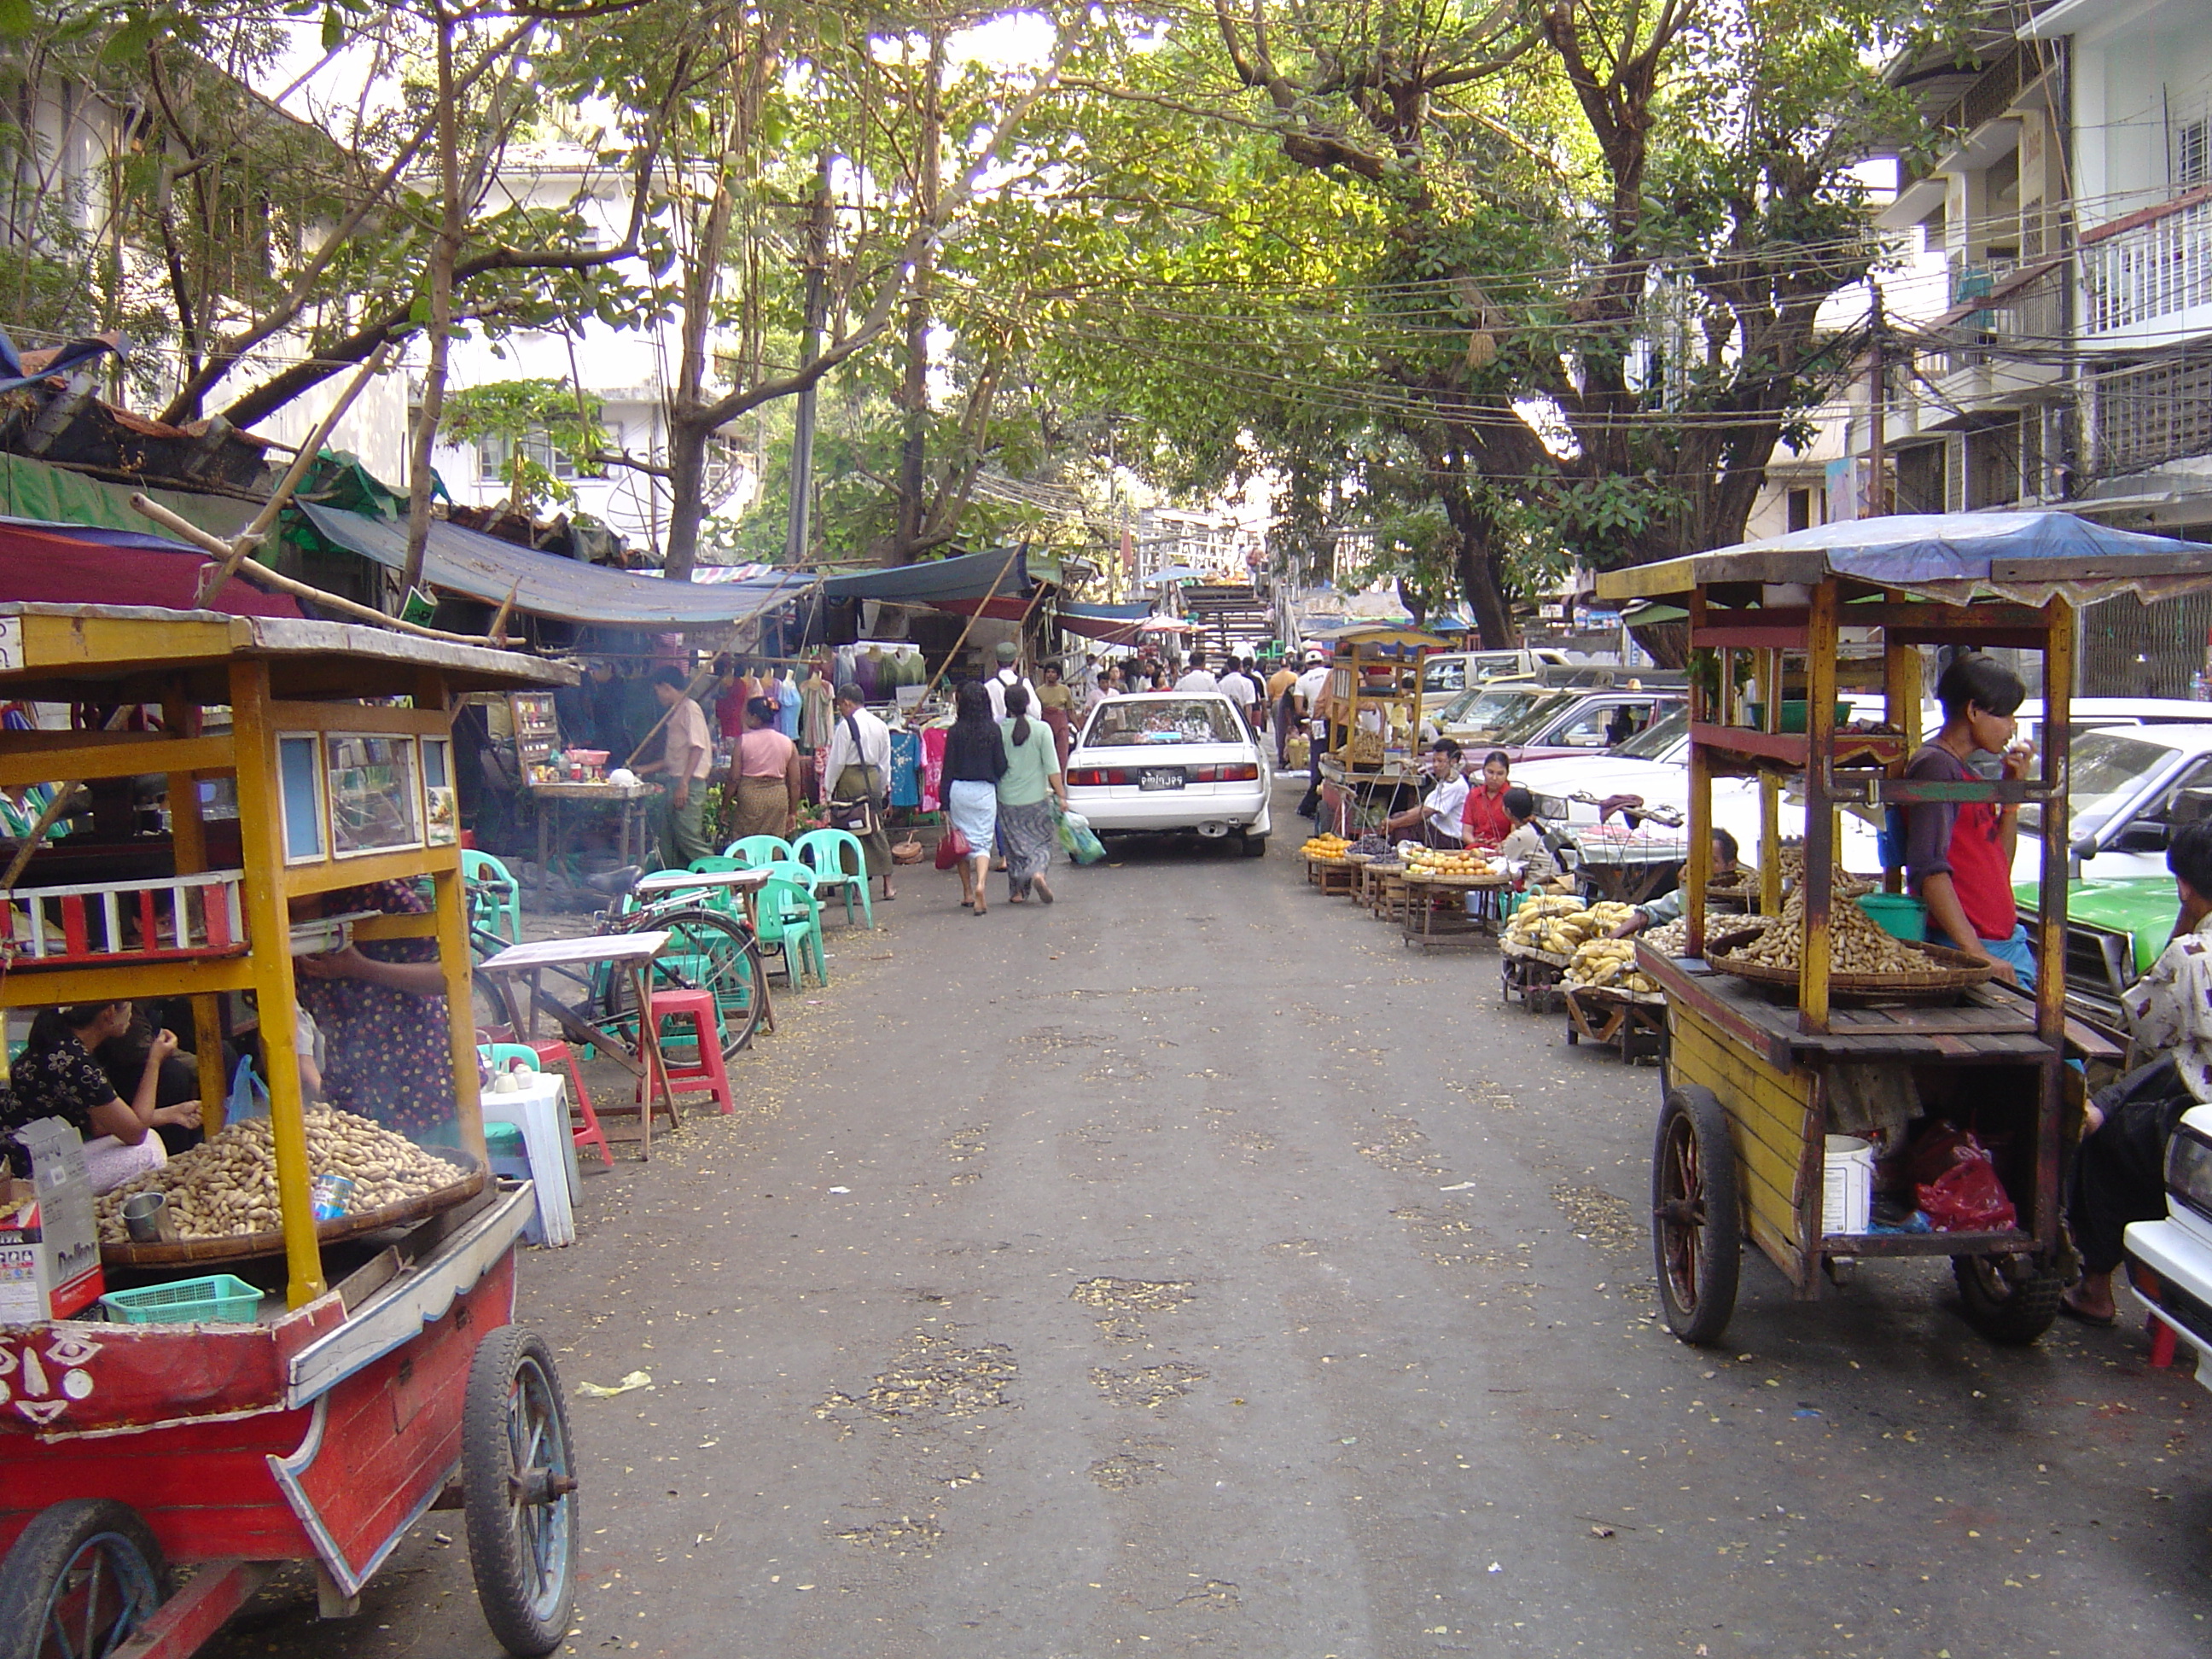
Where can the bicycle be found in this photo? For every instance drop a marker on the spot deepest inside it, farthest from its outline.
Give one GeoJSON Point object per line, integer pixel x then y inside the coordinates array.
{"type": "Point", "coordinates": [710, 949]}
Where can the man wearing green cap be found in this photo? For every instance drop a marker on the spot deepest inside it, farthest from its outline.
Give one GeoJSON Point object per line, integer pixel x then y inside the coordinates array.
{"type": "Point", "coordinates": [1009, 674]}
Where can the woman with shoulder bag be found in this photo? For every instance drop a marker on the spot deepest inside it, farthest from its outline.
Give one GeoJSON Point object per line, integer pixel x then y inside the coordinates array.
{"type": "Point", "coordinates": [859, 772]}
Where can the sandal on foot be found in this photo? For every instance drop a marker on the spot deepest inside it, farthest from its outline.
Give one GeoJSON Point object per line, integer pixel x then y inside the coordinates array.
{"type": "Point", "coordinates": [2105, 1323]}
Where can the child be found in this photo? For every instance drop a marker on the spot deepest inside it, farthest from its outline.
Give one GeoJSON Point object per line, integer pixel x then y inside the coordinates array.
{"type": "Point", "coordinates": [1525, 841]}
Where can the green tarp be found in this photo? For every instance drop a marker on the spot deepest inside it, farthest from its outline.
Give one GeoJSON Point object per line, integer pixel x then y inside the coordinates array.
{"type": "Point", "coordinates": [53, 495]}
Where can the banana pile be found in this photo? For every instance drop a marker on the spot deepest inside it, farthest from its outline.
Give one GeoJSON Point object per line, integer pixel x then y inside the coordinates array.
{"type": "Point", "coordinates": [1856, 944]}
{"type": "Point", "coordinates": [1325, 847]}
{"type": "Point", "coordinates": [226, 1188]}
{"type": "Point", "coordinates": [1562, 927]}
{"type": "Point", "coordinates": [1440, 861]}
{"type": "Point", "coordinates": [1610, 963]}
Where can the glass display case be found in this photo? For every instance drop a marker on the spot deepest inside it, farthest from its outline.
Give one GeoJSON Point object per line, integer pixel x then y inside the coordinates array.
{"type": "Point", "coordinates": [375, 805]}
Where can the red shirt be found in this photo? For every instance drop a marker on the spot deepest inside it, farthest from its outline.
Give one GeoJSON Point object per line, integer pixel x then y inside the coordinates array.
{"type": "Point", "coordinates": [1486, 819]}
{"type": "Point", "coordinates": [1963, 842]}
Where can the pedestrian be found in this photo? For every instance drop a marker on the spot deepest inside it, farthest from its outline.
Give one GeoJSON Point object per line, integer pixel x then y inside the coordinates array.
{"type": "Point", "coordinates": [1196, 679]}
{"type": "Point", "coordinates": [1032, 783]}
{"type": "Point", "coordinates": [1237, 687]}
{"type": "Point", "coordinates": [1525, 841]}
{"type": "Point", "coordinates": [1055, 703]}
{"type": "Point", "coordinates": [687, 756]}
{"type": "Point", "coordinates": [1283, 708]}
{"type": "Point", "coordinates": [859, 769]}
{"type": "Point", "coordinates": [2119, 1172]}
{"type": "Point", "coordinates": [765, 777]}
{"type": "Point", "coordinates": [1959, 856]}
{"type": "Point", "coordinates": [1008, 673]}
{"type": "Point", "coordinates": [1437, 818]}
{"type": "Point", "coordinates": [974, 761]}
{"type": "Point", "coordinates": [1308, 690]}
{"type": "Point", "coordinates": [1488, 821]}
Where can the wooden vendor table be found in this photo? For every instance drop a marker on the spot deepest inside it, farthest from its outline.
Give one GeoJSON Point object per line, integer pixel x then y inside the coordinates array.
{"type": "Point", "coordinates": [1436, 908]}
{"type": "Point", "coordinates": [557, 804]}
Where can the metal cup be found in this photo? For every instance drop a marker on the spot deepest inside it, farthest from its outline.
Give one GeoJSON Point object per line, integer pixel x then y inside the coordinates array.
{"type": "Point", "coordinates": [143, 1215]}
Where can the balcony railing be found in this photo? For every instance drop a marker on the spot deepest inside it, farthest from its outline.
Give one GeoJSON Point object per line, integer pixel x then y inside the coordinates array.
{"type": "Point", "coordinates": [2031, 317]}
{"type": "Point", "coordinates": [2157, 264]}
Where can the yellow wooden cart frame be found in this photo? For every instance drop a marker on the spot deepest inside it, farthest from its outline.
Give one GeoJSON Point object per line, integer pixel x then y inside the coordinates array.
{"type": "Point", "coordinates": [281, 680]}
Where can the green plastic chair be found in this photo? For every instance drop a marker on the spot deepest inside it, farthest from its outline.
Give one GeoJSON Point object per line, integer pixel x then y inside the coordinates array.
{"type": "Point", "coordinates": [718, 898]}
{"type": "Point", "coordinates": [505, 1056]}
{"type": "Point", "coordinates": [757, 849]}
{"type": "Point", "coordinates": [790, 926]}
{"type": "Point", "coordinates": [494, 895]}
{"type": "Point", "coordinates": [835, 875]}
{"type": "Point", "coordinates": [791, 870]}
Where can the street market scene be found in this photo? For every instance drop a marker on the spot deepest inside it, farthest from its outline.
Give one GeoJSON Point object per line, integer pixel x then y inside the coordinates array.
{"type": "Point", "coordinates": [1566, 648]}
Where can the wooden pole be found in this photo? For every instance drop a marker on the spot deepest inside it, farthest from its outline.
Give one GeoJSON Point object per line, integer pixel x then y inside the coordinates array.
{"type": "Point", "coordinates": [946, 667]}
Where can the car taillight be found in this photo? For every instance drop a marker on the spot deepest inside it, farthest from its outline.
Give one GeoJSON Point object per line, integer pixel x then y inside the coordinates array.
{"type": "Point", "coordinates": [1243, 773]}
{"type": "Point", "coordinates": [1097, 776]}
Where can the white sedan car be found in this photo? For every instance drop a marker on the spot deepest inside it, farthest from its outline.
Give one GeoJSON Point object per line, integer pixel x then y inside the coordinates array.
{"type": "Point", "coordinates": [1164, 761]}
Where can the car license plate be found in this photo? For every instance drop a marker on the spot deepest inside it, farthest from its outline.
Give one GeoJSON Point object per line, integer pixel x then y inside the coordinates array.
{"type": "Point", "coordinates": [1160, 777]}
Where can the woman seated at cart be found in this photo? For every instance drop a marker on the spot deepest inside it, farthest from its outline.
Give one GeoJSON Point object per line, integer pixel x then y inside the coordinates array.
{"type": "Point", "coordinates": [1485, 821]}
{"type": "Point", "coordinates": [2119, 1173]}
{"type": "Point", "coordinates": [380, 1006]}
{"type": "Point", "coordinates": [1959, 856]}
{"type": "Point", "coordinates": [1524, 842]}
{"type": "Point", "coordinates": [56, 1076]}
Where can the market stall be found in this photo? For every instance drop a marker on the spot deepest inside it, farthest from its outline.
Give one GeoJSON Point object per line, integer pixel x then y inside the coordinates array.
{"type": "Point", "coordinates": [1819, 1021]}
{"type": "Point", "coordinates": [289, 1343]}
{"type": "Point", "coordinates": [1371, 708]}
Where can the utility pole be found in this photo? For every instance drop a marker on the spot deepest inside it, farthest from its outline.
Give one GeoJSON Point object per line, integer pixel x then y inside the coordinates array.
{"type": "Point", "coordinates": [1877, 504]}
{"type": "Point", "coordinates": [802, 435]}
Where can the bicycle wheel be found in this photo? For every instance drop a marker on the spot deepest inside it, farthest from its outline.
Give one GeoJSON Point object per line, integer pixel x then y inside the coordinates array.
{"type": "Point", "coordinates": [492, 1011]}
{"type": "Point", "coordinates": [709, 951]}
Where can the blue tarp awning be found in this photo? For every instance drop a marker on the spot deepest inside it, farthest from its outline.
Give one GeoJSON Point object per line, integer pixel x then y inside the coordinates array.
{"type": "Point", "coordinates": [459, 560]}
{"type": "Point", "coordinates": [965, 576]}
{"type": "Point", "coordinates": [1120, 613]}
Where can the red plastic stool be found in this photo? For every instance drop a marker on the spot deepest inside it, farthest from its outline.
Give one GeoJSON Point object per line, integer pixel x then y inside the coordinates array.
{"type": "Point", "coordinates": [706, 1074]}
{"type": "Point", "coordinates": [557, 1052]}
{"type": "Point", "coordinates": [2162, 1339]}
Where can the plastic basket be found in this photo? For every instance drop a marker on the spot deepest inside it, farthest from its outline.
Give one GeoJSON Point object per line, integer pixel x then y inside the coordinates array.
{"type": "Point", "coordinates": [217, 1299]}
{"type": "Point", "coordinates": [1899, 914]}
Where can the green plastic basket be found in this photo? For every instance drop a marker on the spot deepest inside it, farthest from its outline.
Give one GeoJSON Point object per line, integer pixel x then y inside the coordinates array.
{"type": "Point", "coordinates": [1899, 914]}
{"type": "Point", "coordinates": [217, 1299]}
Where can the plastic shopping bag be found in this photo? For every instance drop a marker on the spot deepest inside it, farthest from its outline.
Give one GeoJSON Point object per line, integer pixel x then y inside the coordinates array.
{"type": "Point", "coordinates": [1955, 1184]}
{"type": "Point", "coordinates": [1079, 841]}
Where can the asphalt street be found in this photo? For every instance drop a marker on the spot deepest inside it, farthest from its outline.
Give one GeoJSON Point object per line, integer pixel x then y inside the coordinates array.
{"type": "Point", "coordinates": [1191, 1267]}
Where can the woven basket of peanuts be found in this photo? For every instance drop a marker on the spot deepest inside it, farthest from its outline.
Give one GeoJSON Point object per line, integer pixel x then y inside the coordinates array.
{"type": "Point", "coordinates": [1865, 964]}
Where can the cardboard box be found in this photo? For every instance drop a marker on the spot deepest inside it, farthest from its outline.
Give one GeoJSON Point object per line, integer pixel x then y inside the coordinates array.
{"type": "Point", "coordinates": [49, 1243]}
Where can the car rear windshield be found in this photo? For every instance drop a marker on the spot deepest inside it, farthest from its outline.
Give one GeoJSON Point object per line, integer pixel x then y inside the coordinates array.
{"type": "Point", "coordinates": [1121, 724]}
{"type": "Point", "coordinates": [1527, 728]}
{"type": "Point", "coordinates": [1653, 742]}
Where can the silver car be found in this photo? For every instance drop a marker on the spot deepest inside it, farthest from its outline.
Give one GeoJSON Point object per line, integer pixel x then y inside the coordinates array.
{"type": "Point", "coordinates": [1164, 761]}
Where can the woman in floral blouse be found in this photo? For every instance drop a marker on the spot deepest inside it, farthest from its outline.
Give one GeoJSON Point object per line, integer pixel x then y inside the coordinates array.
{"type": "Point", "coordinates": [56, 1076]}
{"type": "Point", "coordinates": [381, 1006]}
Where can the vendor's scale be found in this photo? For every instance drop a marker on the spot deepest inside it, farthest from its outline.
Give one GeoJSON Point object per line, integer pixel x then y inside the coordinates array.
{"type": "Point", "coordinates": [1750, 1078]}
{"type": "Point", "coordinates": [386, 1380]}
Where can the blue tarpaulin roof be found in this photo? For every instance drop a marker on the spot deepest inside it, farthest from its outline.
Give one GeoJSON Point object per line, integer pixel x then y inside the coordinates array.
{"type": "Point", "coordinates": [1107, 612]}
{"type": "Point", "coordinates": [483, 567]}
{"type": "Point", "coordinates": [2024, 556]}
{"type": "Point", "coordinates": [967, 576]}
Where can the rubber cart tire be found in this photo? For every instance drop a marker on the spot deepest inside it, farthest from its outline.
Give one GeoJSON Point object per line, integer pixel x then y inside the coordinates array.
{"type": "Point", "coordinates": [81, 1577]}
{"type": "Point", "coordinates": [2009, 1312]}
{"type": "Point", "coordinates": [518, 1483]}
{"type": "Point", "coordinates": [1697, 1227]}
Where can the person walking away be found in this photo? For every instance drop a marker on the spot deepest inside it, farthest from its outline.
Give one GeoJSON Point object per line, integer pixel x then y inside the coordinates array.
{"type": "Point", "coordinates": [1959, 856]}
{"type": "Point", "coordinates": [1032, 783]}
{"type": "Point", "coordinates": [687, 756]}
{"type": "Point", "coordinates": [1487, 822]}
{"type": "Point", "coordinates": [2119, 1172]}
{"type": "Point", "coordinates": [1056, 704]}
{"type": "Point", "coordinates": [56, 1076]}
{"type": "Point", "coordinates": [1308, 691]}
{"type": "Point", "coordinates": [974, 761]}
{"type": "Point", "coordinates": [1237, 687]}
{"type": "Point", "coordinates": [1525, 841]}
{"type": "Point", "coordinates": [861, 769]}
{"type": "Point", "coordinates": [1438, 816]}
{"type": "Point", "coordinates": [765, 777]}
{"type": "Point", "coordinates": [1282, 708]}
{"type": "Point", "coordinates": [1196, 679]}
{"type": "Point", "coordinates": [1008, 673]}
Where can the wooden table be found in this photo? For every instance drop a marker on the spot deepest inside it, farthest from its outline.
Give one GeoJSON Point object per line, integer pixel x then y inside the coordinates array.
{"type": "Point", "coordinates": [1436, 908]}
{"type": "Point", "coordinates": [746, 884]}
{"type": "Point", "coordinates": [629, 953]}
{"type": "Point", "coordinates": [556, 803]}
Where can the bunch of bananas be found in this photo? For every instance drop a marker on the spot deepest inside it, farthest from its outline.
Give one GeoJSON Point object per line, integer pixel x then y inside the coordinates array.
{"type": "Point", "coordinates": [1562, 927]}
{"type": "Point", "coordinates": [1610, 962]}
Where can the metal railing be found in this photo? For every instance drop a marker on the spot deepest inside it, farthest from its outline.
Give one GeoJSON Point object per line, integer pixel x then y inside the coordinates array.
{"type": "Point", "coordinates": [2157, 269]}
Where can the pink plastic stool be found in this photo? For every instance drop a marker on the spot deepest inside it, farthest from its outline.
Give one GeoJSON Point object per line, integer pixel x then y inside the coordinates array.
{"type": "Point", "coordinates": [557, 1052]}
{"type": "Point", "coordinates": [706, 1074]}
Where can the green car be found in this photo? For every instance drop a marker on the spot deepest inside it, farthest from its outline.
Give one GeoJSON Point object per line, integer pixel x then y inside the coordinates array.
{"type": "Point", "coordinates": [2114, 931]}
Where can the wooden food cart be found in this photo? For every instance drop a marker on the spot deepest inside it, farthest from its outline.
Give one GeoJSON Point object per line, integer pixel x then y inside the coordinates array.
{"type": "Point", "coordinates": [366, 1369]}
{"type": "Point", "coordinates": [1372, 707]}
{"type": "Point", "coordinates": [1753, 1068]}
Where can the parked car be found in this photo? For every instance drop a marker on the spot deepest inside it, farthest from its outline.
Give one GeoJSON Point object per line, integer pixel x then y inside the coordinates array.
{"type": "Point", "coordinates": [1585, 722]}
{"type": "Point", "coordinates": [2129, 786]}
{"type": "Point", "coordinates": [2115, 931]}
{"type": "Point", "coordinates": [1479, 714]}
{"type": "Point", "coordinates": [1166, 760]}
{"type": "Point", "coordinates": [1447, 671]}
{"type": "Point", "coordinates": [2178, 1250]}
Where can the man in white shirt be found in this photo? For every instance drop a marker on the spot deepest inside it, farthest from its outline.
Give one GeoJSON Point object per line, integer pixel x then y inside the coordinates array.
{"type": "Point", "coordinates": [1008, 674]}
{"type": "Point", "coordinates": [1237, 687]}
{"type": "Point", "coordinates": [1307, 690]}
{"type": "Point", "coordinates": [1196, 679]}
{"type": "Point", "coordinates": [860, 767]}
{"type": "Point", "coordinates": [1438, 817]}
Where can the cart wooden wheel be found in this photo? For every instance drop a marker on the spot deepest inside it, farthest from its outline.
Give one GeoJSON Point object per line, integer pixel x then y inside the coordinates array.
{"type": "Point", "coordinates": [518, 1486]}
{"type": "Point", "coordinates": [1697, 1228]}
{"type": "Point", "coordinates": [2010, 1300]}
{"type": "Point", "coordinates": [81, 1577]}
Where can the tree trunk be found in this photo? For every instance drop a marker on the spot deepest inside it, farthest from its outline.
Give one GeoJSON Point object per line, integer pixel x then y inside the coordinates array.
{"type": "Point", "coordinates": [687, 484]}
{"type": "Point", "coordinates": [446, 254]}
{"type": "Point", "coordinates": [1482, 576]}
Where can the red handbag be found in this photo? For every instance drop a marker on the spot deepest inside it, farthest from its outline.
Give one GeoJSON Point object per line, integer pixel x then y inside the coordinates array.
{"type": "Point", "coordinates": [952, 848]}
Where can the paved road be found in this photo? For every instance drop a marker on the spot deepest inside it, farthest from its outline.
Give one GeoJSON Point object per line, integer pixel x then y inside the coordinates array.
{"type": "Point", "coordinates": [1190, 1267]}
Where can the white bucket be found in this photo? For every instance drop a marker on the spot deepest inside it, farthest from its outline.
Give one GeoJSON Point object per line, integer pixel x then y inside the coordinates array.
{"type": "Point", "coordinates": [1847, 1186]}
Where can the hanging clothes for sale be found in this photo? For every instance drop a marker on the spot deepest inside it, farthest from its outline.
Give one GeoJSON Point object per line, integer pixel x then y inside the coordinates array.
{"type": "Point", "coordinates": [906, 768]}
